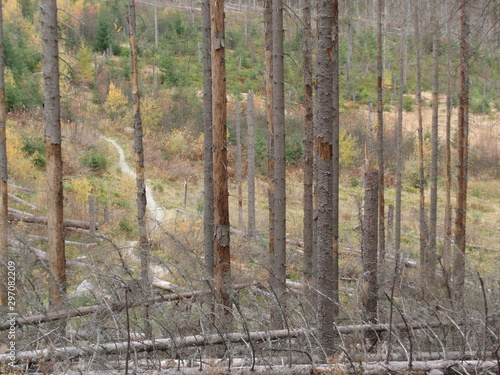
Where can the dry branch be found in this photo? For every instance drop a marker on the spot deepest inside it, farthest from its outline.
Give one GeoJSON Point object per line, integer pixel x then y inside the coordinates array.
{"type": "Point", "coordinates": [16, 215]}
{"type": "Point", "coordinates": [117, 306]}
{"type": "Point", "coordinates": [42, 255]}
{"type": "Point", "coordinates": [17, 199]}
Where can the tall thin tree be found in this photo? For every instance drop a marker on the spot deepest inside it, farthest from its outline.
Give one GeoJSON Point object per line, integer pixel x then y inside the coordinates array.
{"type": "Point", "coordinates": [222, 270]}
{"type": "Point", "coordinates": [463, 155]}
{"type": "Point", "coordinates": [399, 134]}
{"type": "Point", "coordinates": [431, 258]}
{"type": "Point", "coordinates": [268, 55]}
{"type": "Point", "coordinates": [53, 154]}
{"type": "Point", "coordinates": [239, 166]}
{"type": "Point", "coordinates": [447, 210]}
{"type": "Point", "coordinates": [324, 177]}
{"type": "Point", "coordinates": [422, 218]}
{"type": "Point", "coordinates": [139, 165]}
{"type": "Point", "coordinates": [208, 179]}
{"type": "Point", "coordinates": [380, 137]}
{"type": "Point", "coordinates": [307, 41]}
{"type": "Point", "coordinates": [279, 201]}
{"type": "Point", "coordinates": [251, 163]}
{"type": "Point", "coordinates": [335, 158]}
{"type": "Point", "coordinates": [3, 175]}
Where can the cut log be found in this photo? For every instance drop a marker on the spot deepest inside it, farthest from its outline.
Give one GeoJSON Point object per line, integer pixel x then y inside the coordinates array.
{"type": "Point", "coordinates": [116, 306]}
{"type": "Point", "coordinates": [26, 217]}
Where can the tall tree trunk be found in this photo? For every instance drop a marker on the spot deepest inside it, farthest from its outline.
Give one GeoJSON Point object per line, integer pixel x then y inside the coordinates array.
{"type": "Point", "coordinates": [431, 258]}
{"type": "Point", "coordinates": [463, 156]}
{"type": "Point", "coordinates": [369, 251]}
{"type": "Point", "coordinates": [279, 202]}
{"type": "Point", "coordinates": [380, 140]}
{"type": "Point", "coordinates": [239, 168]}
{"type": "Point", "coordinates": [4, 208]}
{"type": "Point", "coordinates": [139, 167]}
{"type": "Point", "coordinates": [251, 164]}
{"type": "Point", "coordinates": [422, 219]}
{"type": "Point", "coordinates": [447, 205]}
{"type": "Point", "coordinates": [222, 269]}
{"type": "Point", "coordinates": [399, 137]}
{"type": "Point", "coordinates": [268, 26]}
{"type": "Point", "coordinates": [53, 156]}
{"type": "Point", "coordinates": [307, 42]}
{"type": "Point", "coordinates": [335, 159]}
{"type": "Point", "coordinates": [324, 177]}
{"type": "Point", "coordinates": [208, 179]}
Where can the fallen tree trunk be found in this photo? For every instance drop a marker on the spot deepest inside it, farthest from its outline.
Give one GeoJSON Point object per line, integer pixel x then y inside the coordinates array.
{"type": "Point", "coordinates": [113, 307]}
{"type": "Point", "coordinates": [26, 217]}
{"type": "Point", "coordinates": [42, 255]}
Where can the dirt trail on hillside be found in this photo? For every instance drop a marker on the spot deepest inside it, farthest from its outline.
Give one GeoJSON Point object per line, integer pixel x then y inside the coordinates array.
{"type": "Point", "coordinates": [156, 213]}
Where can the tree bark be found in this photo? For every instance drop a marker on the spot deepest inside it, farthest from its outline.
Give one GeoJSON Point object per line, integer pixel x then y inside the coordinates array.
{"type": "Point", "coordinates": [399, 137]}
{"type": "Point", "coordinates": [53, 156]}
{"type": "Point", "coordinates": [279, 201]}
{"type": "Point", "coordinates": [251, 164]}
{"type": "Point", "coordinates": [208, 179]}
{"type": "Point", "coordinates": [431, 258]}
{"type": "Point", "coordinates": [324, 177]}
{"type": "Point", "coordinates": [369, 251]}
{"type": "Point", "coordinates": [3, 176]}
{"type": "Point", "coordinates": [423, 235]}
{"type": "Point", "coordinates": [447, 206]}
{"type": "Point", "coordinates": [268, 26]}
{"type": "Point", "coordinates": [144, 244]}
{"type": "Point", "coordinates": [308, 143]}
{"type": "Point", "coordinates": [239, 168]}
{"type": "Point", "coordinates": [463, 156]}
{"type": "Point", "coordinates": [222, 270]}
{"type": "Point", "coordinates": [380, 140]}
{"type": "Point", "coordinates": [335, 159]}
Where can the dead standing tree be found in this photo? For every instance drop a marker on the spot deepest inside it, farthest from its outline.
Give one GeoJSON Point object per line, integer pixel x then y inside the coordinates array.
{"type": "Point", "coordinates": [222, 268]}
{"type": "Point", "coordinates": [139, 167]}
{"type": "Point", "coordinates": [324, 177]}
{"type": "Point", "coordinates": [53, 154]}
{"type": "Point", "coordinates": [3, 176]}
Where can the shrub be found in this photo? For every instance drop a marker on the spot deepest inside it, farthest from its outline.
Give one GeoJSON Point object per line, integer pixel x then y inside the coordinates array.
{"type": "Point", "coordinates": [35, 148]}
{"type": "Point", "coordinates": [96, 160]}
{"type": "Point", "coordinates": [408, 103]}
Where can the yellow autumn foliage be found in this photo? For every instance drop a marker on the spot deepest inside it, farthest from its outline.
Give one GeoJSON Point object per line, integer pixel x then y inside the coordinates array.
{"type": "Point", "coordinates": [20, 165]}
{"type": "Point", "coordinates": [116, 104]}
{"type": "Point", "coordinates": [82, 188]}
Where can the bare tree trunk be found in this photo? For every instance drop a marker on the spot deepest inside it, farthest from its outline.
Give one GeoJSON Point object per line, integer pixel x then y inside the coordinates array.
{"type": "Point", "coordinates": [308, 143]}
{"type": "Point", "coordinates": [324, 177]}
{"type": "Point", "coordinates": [431, 258]}
{"type": "Point", "coordinates": [279, 203]}
{"type": "Point", "coordinates": [222, 269]}
{"type": "Point", "coordinates": [335, 159]}
{"type": "Point", "coordinates": [399, 137]}
{"type": "Point", "coordinates": [4, 208]}
{"type": "Point", "coordinates": [463, 156]}
{"type": "Point", "coordinates": [380, 139]}
{"type": "Point", "coordinates": [369, 251]}
{"type": "Point", "coordinates": [268, 26]}
{"type": "Point", "coordinates": [239, 171]}
{"type": "Point", "coordinates": [139, 167]}
{"type": "Point", "coordinates": [52, 120]}
{"type": "Point", "coordinates": [447, 210]}
{"type": "Point", "coordinates": [208, 179]}
{"type": "Point", "coordinates": [422, 220]}
{"type": "Point", "coordinates": [251, 164]}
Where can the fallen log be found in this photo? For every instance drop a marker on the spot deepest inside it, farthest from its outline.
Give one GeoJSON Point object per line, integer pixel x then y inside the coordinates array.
{"type": "Point", "coordinates": [112, 307]}
{"type": "Point", "coordinates": [17, 199]}
{"type": "Point", "coordinates": [26, 217]}
{"type": "Point", "coordinates": [42, 255]}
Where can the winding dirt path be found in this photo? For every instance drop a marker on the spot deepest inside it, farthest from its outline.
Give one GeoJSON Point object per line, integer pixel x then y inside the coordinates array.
{"type": "Point", "coordinates": [156, 213]}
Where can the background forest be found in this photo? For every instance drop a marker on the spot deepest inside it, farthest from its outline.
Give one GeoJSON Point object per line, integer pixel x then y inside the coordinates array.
{"type": "Point", "coordinates": [105, 325]}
